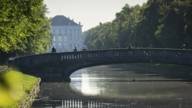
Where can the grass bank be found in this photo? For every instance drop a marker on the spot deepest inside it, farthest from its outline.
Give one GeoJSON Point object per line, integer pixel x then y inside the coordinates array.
{"type": "Point", "coordinates": [15, 88]}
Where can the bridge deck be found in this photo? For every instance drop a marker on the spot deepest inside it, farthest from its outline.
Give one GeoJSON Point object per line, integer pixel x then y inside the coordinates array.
{"type": "Point", "coordinates": [55, 65]}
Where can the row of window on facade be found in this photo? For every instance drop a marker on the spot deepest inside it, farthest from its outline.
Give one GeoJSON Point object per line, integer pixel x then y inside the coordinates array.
{"type": "Point", "coordinates": [68, 47]}
{"type": "Point", "coordinates": [66, 44]}
{"type": "Point", "coordinates": [60, 38]}
{"type": "Point", "coordinates": [64, 31]}
{"type": "Point", "coordinates": [69, 34]}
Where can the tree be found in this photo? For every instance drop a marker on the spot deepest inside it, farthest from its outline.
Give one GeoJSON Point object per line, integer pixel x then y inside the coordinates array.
{"type": "Point", "coordinates": [24, 27]}
{"type": "Point", "coordinates": [158, 23]}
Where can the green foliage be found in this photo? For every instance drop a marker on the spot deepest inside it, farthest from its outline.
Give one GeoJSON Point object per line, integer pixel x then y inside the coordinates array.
{"type": "Point", "coordinates": [174, 28]}
{"type": "Point", "coordinates": [102, 37]}
{"type": "Point", "coordinates": [14, 88]}
{"type": "Point", "coordinates": [23, 26]}
{"type": "Point", "coordinates": [158, 23]}
{"type": "Point", "coordinates": [127, 26]}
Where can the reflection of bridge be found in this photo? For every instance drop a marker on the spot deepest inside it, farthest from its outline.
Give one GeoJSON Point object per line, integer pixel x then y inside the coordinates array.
{"type": "Point", "coordinates": [59, 66]}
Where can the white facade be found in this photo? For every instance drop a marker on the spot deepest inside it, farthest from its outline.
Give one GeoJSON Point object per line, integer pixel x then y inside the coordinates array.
{"type": "Point", "coordinates": [66, 35]}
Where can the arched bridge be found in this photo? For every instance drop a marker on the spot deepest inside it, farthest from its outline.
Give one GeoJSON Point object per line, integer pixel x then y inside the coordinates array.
{"type": "Point", "coordinates": [59, 66]}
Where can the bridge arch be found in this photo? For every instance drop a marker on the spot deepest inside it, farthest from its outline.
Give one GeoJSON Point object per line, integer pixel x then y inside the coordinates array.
{"type": "Point", "coordinates": [59, 66]}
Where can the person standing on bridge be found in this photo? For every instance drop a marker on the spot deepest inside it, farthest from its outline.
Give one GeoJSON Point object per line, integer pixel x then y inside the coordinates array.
{"type": "Point", "coordinates": [53, 50]}
{"type": "Point", "coordinates": [75, 49]}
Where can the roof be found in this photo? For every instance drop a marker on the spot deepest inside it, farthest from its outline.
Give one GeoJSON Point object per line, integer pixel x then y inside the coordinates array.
{"type": "Point", "coordinates": [61, 20]}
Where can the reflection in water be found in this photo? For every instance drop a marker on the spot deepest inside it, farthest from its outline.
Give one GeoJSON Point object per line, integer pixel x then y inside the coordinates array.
{"type": "Point", "coordinates": [85, 83]}
{"type": "Point", "coordinates": [96, 104]}
{"type": "Point", "coordinates": [87, 87]}
{"type": "Point", "coordinates": [106, 81]}
{"type": "Point", "coordinates": [78, 103]}
{"type": "Point", "coordinates": [121, 86]}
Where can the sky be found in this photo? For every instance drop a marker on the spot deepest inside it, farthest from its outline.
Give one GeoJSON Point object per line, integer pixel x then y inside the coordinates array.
{"type": "Point", "coordinates": [89, 12]}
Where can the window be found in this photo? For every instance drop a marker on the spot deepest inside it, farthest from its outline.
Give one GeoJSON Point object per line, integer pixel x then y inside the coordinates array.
{"type": "Point", "coordinates": [59, 44]}
{"type": "Point", "coordinates": [65, 38]}
{"type": "Point", "coordinates": [55, 31]}
{"type": "Point", "coordinates": [59, 31]}
{"type": "Point", "coordinates": [54, 39]}
{"type": "Point", "coordinates": [54, 44]}
{"type": "Point", "coordinates": [59, 38]}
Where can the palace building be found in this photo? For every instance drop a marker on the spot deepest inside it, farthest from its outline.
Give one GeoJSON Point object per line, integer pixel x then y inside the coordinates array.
{"type": "Point", "coordinates": [66, 34]}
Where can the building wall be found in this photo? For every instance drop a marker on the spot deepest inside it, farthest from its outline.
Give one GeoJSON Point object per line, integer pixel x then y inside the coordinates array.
{"type": "Point", "coordinates": [66, 38]}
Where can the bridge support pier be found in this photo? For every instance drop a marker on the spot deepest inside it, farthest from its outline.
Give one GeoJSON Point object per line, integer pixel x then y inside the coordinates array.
{"type": "Point", "coordinates": [55, 79]}
{"type": "Point", "coordinates": [67, 79]}
{"type": "Point", "coordinates": [51, 74]}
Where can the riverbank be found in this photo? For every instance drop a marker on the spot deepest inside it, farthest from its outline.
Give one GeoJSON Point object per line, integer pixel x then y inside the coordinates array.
{"type": "Point", "coordinates": [17, 90]}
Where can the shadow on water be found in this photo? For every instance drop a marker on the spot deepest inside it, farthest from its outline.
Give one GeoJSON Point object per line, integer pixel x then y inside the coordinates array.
{"type": "Point", "coordinates": [172, 71]}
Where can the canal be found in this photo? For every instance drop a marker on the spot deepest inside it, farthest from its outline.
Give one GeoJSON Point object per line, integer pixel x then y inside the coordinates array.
{"type": "Point", "coordinates": [121, 86]}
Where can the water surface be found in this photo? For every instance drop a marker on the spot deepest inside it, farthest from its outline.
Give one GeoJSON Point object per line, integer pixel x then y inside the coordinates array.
{"type": "Point", "coordinates": [122, 86]}
{"type": "Point", "coordinates": [120, 82]}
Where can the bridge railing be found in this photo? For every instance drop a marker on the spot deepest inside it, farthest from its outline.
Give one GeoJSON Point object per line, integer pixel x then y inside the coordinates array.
{"type": "Point", "coordinates": [162, 55]}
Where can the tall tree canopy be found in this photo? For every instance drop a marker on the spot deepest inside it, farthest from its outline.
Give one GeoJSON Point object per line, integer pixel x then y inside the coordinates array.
{"type": "Point", "coordinates": [24, 28]}
{"type": "Point", "coordinates": [158, 23]}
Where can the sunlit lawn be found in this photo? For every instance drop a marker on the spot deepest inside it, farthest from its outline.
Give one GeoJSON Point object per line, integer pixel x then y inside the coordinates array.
{"type": "Point", "coordinates": [14, 86]}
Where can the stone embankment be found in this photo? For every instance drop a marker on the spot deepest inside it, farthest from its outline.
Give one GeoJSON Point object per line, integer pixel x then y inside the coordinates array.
{"type": "Point", "coordinates": [30, 95]}
{"type": "Point", "coordinates": [3, 68]}
{"type": "Point", "coordinates": [30, 98]}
